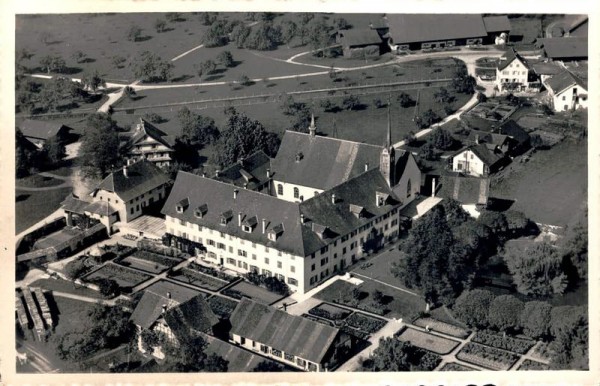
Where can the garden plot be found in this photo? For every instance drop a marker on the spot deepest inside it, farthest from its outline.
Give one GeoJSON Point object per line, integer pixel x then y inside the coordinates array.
{"type": "Point", "coordinates": [143, 264]}
{"type": "Point", "coordinates": [453, 366]}
{"type": "Point", "coordinates": [427, 341]}
{"type": "Point", "coordinates": [444, 328]}
{"type": "Point", "coordinates": [330, 312]}
{"type": "Point", "coordinates": [245, 289]}
{"type": "Point", "coordinates": [519, 346]}
{"type": "Point", "coordinates": [125, 277]}
{"type": "Point", "coordinates": [488, 357]}
{"type": "Point", "coordinates": [199, 279]}
{"type": "Point", "coordinates": [529, 365]}
{"type": "Point", "coordinates": [365, 323]}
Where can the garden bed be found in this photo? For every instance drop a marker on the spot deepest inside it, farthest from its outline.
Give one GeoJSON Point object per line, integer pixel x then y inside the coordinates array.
{"type": "Point", "coordinates": [256, 293]}
{"type": "Point", "coordinates": [427, 341]}
{"type": "Point", "coordinates": [444, 328]}
{"type": "Point", "coordinates": [519, 346]}
{"type": "Point", "coordinates": [330, 312]}
{"type": "Point", "coordinates": [487, 357]}
{"type": "Point", "coordinates": [211, 272]}
{"type": "Point", "coordinates": [125, 278]}
{"type": "Point", "coordinates": [142, 264]}
{"type": "Point", "coordinates": [198, 279]}
{"type": "Point", "coordinates": [221, 306]}
{"type": "Point", "coordinates": [453, 366]}
{"type": "Point", "coordinates": [318, 320]}
{"type": "Point", "coordinates": [529, 365]}
{"type": "Point", "coordinates": [365, 323]}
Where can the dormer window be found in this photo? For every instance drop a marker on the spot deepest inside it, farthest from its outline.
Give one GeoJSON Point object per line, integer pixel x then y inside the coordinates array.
{"type": "Point", "coordinates": [247, 229]}
{"type": "Point", "coordinates": [274, 233]}
{"type": "Point", "coordinates": [200, 211]}
{"type": "Point", "coordinates": [299, 156]}
{"type": "Point", "coordinates": [381, 199]}
{"type": "Point", "coordinates": [226, 216]}
{"type": "Point", "coordinates": [182, 205]}
{"type": "Point", "coordinates": [357, 210]}
{"type": "Point", "coordinates": [249, 223]}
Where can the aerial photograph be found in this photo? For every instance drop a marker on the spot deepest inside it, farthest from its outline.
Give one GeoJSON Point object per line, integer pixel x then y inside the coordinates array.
{"type": "Point", "coordinates": [300, 192]}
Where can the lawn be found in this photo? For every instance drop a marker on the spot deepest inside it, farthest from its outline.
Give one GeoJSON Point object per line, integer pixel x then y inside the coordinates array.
{"type": "Point", "coordinates": [396, 303]}
{"type": "Point", "coordinates": [32, 207]}
{"type": "Point", "coordinates": [198, 279]}
{"type": "Point", "coordinates": [67, 287]}
{"type": "Point", "coordinates": [562, 170]}
{"type": "Point", "coordinates": [256, 293]}
{"type": "Point", "coordinates": [144, 265]}
{"type": "Point", "coordinates": [37, 181]}
{"type": "Point", "coordinates": [444, 328]}
{"type": "Point", "coordinates": [126, 278]}
{"type": "Point", "coordinates": [380, 268]}
{"type": "Point", "coordinates": [427, 341]}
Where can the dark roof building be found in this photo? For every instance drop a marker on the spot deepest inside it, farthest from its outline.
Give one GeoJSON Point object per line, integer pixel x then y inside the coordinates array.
{"type": "Point", "coordinates": [466, 190]}
{"type": "Point", "coordinates": [307, 344]}
{"type": "Point", "coordinates": [354, 38]}
{"type": "Point", "coordinates": [573, 48]}
{"type": "Point", "coordinates": [496, 24]}
{"type": "Point", "coordinates": [191, 317]}
{"type": "Point", "coordinates": [252, 172]}
{"type": "Point", "coordinates": [516, 133]}
{"type": "Point", "coordinates": [38, 132]}
{"type": "Point", "coordinates": [564, 80]}
{"type": "Point", "coordinates": [133, 181]}
{"type": "Point", "coordinates": [150, 143]}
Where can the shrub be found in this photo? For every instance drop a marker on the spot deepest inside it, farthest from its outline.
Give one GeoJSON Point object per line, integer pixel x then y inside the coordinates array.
{"type": "Point", "coordinates": [520, 346]}
{"type": "Point", "coordinates": [365, 323]}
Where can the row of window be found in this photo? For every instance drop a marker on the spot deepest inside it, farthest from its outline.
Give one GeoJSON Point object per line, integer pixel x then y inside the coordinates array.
{"type": "Point", "coordinates": [280, 354]}
{"type": "Point", "coordinates": [506, 72]}
{"type": "Point", "coordinates": [296, 191]}
{"type": "Point", "coordinates": [266, 272]}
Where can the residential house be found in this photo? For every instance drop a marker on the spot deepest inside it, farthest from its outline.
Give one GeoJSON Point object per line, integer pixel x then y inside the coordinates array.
{"type": "Point", "coordinates": [426, 31]}
{"type": "Point", "coordinates": [290, 339]}
{"type": "Point", "coordinates": [566, 92]}
{"type": "Point", "coordinates": [252, 172]}
{"type": "Point", "coordinates": [130, 190]}
{"type": "Point", "coordinates": [498, 143]}
{"type": "Point", "coordinates": [361, 39]}
{"type": "Point", "coordinates": [471, 192]}
{"type": "Point", "coordinates": [546, 69]}
{"type": "Point", "coordinates": [76, 209]}
{"type": "Point", "coordinates": [564, 49]}
{"type": "Point", "coordinates": [147, 142]}
{"type": "Point", "coordinates": [520, 139]}
{"type": "Point", "coordinates": [476, 160]}
{"type": "Point", "coordinates": [513, 72]}
{"type": "Point", "coordinates": [38, 132]}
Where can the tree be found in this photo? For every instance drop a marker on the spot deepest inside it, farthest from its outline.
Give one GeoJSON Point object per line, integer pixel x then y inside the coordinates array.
{"type": "Point", "coordinates": [197, 129]}
{"type": "Point", "coordinates": [442, 96]}
{"type": "Point", "coordinates": [118, 61]}
{"type": "Point", "coordinates": [151, 68]}
{"type": "Point", "coordinates": [225, 59]}
{"type": "Point", "coordinates": [536, 269]}
{"type": "Point", "coordinates": [208, 67]}
{"type": "Point", "coordinates": [576, 245]}
{"type": "Point", "coordinates": [134, 33]}
{"type": "Point", "coordinates": [535, 319]}
{"type": "Point", "coordinates": [481, 97]}
{"type": "Point", "coordinates": [129, 92]}
{"type": "Point", "coordinates": [190, 356]}
{"type": "Point", "coordinates": [154, 118]}
{"type": "Point", "coordinates": [93, 81]}
{"type": "Point", "coordinates": [266, 366]}
{"type": "Point", "coordinates": [504, 313]}
{"type": "Point", "coordinates": [265, 37]}
{"type": "Point", "coordinates": [150, 339]}
{"type": "Point", "coordinates": [241, 138]}
{"type": "Point", "coordinates": [471, 307]}
{"type": "Point", "coordinates": [318, 35]}
{"type": "Point", "coordinates": [100, 145]}
{"type": "Point", "coordinates": [53, 63]}
{"type": "Point", "coordinates": [429, 117]}
{"type": "Point", "coordinates": [244, 80]}
{"type": "Point", "coordinates": [570, 328]}
{"type": "Point", "coordinates": [215, 36]}
{"type": "Point", "coordinates": [378, 297]}
{"type": "Point", "coordinates": [405, 100]}
{"type": "Point", "coordinates": [516, 222]}
{"type": "Point", "coordinates": [24, 155]}
{"type": "Point", "coordinates": [79, 56]}
{"type": "Point", "coordinates": [462, 82]}
{"type": "Point", "coordinates": [441, 139]}
{"type": "Point", "coordinates": [341, 23]}
{"type": "Point", "coordinates": [160, 25]}
{"type": "Point", "coordinates": [496, 221]}
{"type": "Point", "coordinates": [351, 102]}
{"type": "Point", "coordinates": [239, 34]}
{"type": "Point", "coordinates": [108, 287]}
{"type": "Point", "coordinates": [173, 17]}
{"type": "Point", "coordinates": [395, 355]}
{"type": "Point", "coordinates": [75, 269]}
{"type": "Point", "coordinates": [54, 151]}
{"type": "Point", "coordinates": [289, 29]}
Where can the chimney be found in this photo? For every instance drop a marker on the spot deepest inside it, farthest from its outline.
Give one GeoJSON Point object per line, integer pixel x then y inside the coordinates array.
{"type": "Point", "coordinates": [312, 129]}
{"type": "Point", "coordinates": [477, 139]}
{"type": "Point", "coordinates": [168, 295]}
{"type": "Point", "coordinates": [301, 198]}
{"type": "Point", "coordinates": [164, 308]}
{"type": "Point", "coordinates": [239, 219]}
{"type": "Point", "coordinates": [333, 198]}
{"type": "Point", "coordinates": [125, 171]}
{"type": "Point", "coordinates": [235, 193]}
{"type": "Point", "coordinates": [204, 174]}
{"type": "Point", "coordinates": [366, 166]}
{"type": "Point", "coordinates": [301, 218]}
{"type": "Point", "coordinates": [268, 173]}
{"type": "Point", "coordinates": [245, 185]}
{"type": "Point", "coordinates": [217, 173]}
{"type": "Point", "coordinates": [264, 225]}
{"type": "Point", "coordinates": [433, 187]}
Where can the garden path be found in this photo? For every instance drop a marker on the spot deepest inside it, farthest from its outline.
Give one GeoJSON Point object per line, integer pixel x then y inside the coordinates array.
{"type": "Point", "coordinates": [528, 355]}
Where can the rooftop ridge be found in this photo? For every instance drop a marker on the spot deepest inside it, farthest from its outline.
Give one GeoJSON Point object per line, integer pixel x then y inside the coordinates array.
{"type": "Point", "coordinates": [335, 139]}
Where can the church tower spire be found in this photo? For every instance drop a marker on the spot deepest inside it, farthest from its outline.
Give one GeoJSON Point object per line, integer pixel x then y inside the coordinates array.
{"type": "Point", "coordinates": [387, 159]}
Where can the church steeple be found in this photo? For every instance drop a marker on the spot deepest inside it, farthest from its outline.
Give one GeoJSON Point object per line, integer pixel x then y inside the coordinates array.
{"type": "Point", "coordinates": [312, 129]}
{"type": "Point", "coordinates": [387, 160]}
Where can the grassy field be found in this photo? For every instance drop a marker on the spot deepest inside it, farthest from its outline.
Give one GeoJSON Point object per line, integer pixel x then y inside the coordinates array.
{"type": "Point", "coordinates": [32, 207]}
{"type": "Point", "coordinates": [37, 181]}
{"type": "Point", "coordinates": [380, 268]}
{"type": "Point", "coordinates": [427, 341]}
{"type": "Point", "coordinates": [551, 187]}
{"type": "Point", "coordinates": [257, 293]}
{"type": "Point", "coordinates": [68, 287]}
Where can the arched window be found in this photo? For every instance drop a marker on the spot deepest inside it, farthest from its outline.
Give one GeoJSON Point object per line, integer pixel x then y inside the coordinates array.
{"type": "Point", "coordinates": [408, 189]}
{"type": "Point", "coordinates": [279, 190]}
{"type": "Point", "coordinates": [296, 193]}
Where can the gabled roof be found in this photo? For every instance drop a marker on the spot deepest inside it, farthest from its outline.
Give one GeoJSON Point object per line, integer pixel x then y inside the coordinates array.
{"type": "Point", "coordinates": [572, 47]}
{"type": "Point", "coordinates": [482, 152]}
{"type": "Point", "coordinates": [496, 23]}
{"type": "Point", "coordinates": [514, 131]}
{"type": "Point", "coordinates": [191, 317]}
{"type": "Point", "coordinates": [292, 334]}
{"type": "Point", "coordinates": [75, 205]}
{"type": "Point", "coordinates": [490, 138]}
{"type": "Point", "coordinates": [150, 307]}
{"type": "Point", "coordinates": [145, 128]}
{"type": "Point", "coordinates": [359, 37]}
{"type": "Point", "coordinates": [252, 171]}
{"type": "Point", "coordinates": [466, 190]}
{"type": "Point", "coordinates": [41, 129]}
{"type": "Point", "coordinates": [413, 28]}
{"type": "Point", "coordinates": [326, 162]}
{"type": "Point", "coordinates": [548, 68]}
{"type": "Point", "coordinates": [559, 83]}
{"type": "Point", "coordinates": [508, 57]}
{"type": "Point", "coordinates": [141, 177]}
{"type": "Point", "coordinates": [238, 359]}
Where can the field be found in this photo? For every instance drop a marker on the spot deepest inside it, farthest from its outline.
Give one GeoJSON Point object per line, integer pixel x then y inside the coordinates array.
{"type": "Point", "coordinates": [380, 268]}
{"type": "Point", "coordinates": [551, 187]}
{"type": "Point", "coordinates": [126, 278]}
{"type": "Point", "coordinates": [37, 181]}
{"type": "Point", "coordinates": [256, 293]}
{"type": "Point", "coordinates": [427, 341]}
{"type": "Point", "coordinates": [144, 265]}
{"type": "Point", "coordinates": [32, 207]}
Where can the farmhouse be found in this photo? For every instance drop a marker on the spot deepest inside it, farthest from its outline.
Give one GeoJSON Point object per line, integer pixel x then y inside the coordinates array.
{"type": "Point", "coordinates": [291, 339]}
{"type": "Point", "coordinates": [473, 191]}
{"type": "Point", "coordinates": [513, 72]}
{"type": "Point", "coordinates": [498, 143]}
{"type": "Point", "coordinates": [567, 92]}
{"type": "Point", "coordinates": [149, 143]}
{"type": "Point", "coordinates": [564, 49]}
{"type": "Point", "coordinates": [425, 31]}
{"type": "Point", "coordinates": [518, 136]}
{"type": "Point", "coordinates": [476, 160]}
{"type": "Point", "coordinates": [360, 42]}
{"type": "Point", "coordinates": [129, 191]}
{"type": "Point", "coordinates": [38, 132]}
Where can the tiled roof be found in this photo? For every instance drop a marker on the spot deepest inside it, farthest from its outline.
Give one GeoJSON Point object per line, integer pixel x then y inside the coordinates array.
{"type": "Point", "coordinates": [252, 171]}
{"type": "Point", "coordinates": [559, 83]}
{"type": "Point", "coordinates": [41, 129]}
{"type": "Point", "coordinates": [488, 157]}
{"type": "Point", "coordinates": [239, 360]}
{"type": "Point", "coordinates": [292, 334]}
{"type": "Point", "coordinates": [413, 28]}
{"type": "Point", "coordinates": [75, 205]}
{"type": "Point", "coordinates": [572, 47]}
{"type": "Point", "coordinates": [484, 136]}
{"type": "Point", "coordinates": [514, 131]}
{"type": "Point", "coordinates": [359, 37]}
{"type": "Point", "coordinates": [466, 190]}
{"type": "Point", "coordinates": [141, 177]}
{"type": "Point", "coordinates": [144, 128]}
{"type": "Point", "coordinates": [325, 162]}
{"type": "Point", "coordinates": [508, 57]}
{"type": "Point", "coordinates": [549, 68]}
{"type": "Point", "coordinates": [496, 23]}
{"type": "Point", "coordinates": [102, 208]}
{"type": "Point", "coordinates": [191, 317]}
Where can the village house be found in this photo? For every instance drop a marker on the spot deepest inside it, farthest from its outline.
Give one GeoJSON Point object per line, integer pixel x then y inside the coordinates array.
{"type": "Point", "coordinates": [476, 160]}
{"type": "Point", "coordinates": [566, 92]}
{"type": "Point", "coordinates": [564, 49]}
{"type": "Point", "coordinates": [290, 339]}
{"type": "Point", "coordinates": [513, 72]}
{"type": "Point", "coordinates": [518, 136]}
{"type": "Point", "coordinates": [252, 172]}
{"type": "Point", "coordinates": [360, 42]}
{"type": "Point", "coordinates": [150, 143]}
{"type": "Point", "coordinates": [39, 132]}
{"type": "Point", "coordinates": [498, 143]}
{"type": "Point", "coordinates": [471, 192]}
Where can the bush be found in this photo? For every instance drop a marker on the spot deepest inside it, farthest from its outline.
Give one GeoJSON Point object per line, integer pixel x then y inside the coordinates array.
{"type": "Point", "coordinates": [271, 283]}
{"type": "Point", "coordinates": [520, 346]}
{"type": "Point", "coordinates": [323, 313]}
{"type": "Point", "coordinates": [365, 323]}
{"type": "Point", "coordinates": [487, 356]}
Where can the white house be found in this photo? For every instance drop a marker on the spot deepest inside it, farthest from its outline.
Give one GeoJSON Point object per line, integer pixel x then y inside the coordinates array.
{"type": "Point", "coordinates": [149, 143]}
{"type": "Point", "coordinates": [567, 92]}
{"type": "Point", "coordinates": [512, 72]}
{"type": "Point", "coordinates": [477, 160]}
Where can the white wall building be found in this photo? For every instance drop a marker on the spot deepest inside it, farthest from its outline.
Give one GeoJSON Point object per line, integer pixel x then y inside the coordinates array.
{"type": "Point", "coordinates": [567, 92]}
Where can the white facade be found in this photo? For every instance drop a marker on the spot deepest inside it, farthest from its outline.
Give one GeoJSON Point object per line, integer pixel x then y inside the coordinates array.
{"type": "Point", "coordinates": [516, 72]}
{"type": "Point", "coordinates": [292, 192]}
{"type": "Point", "coordinates": [132, 208]}
{"type": "Point", "coordinates": [409, 184]}
{"type": "Point", "coordinates": [468, 162]}
{"type": "Point", "coordinates": [571, 98]}
{"type": "Point", "coordinates": [151, 150]}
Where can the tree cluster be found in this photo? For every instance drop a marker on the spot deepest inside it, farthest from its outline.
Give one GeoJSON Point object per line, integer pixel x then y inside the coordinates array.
{"type": "Point", "coordinates": [395, 355]}
{"type": "Point", "coordinates": [100, 146]}
{"type": "Point", "coordinates": [299, 113]}
{"type": "Point", "coordinates": [189, 355]}
{"type": "Point", "coordinates": [150, 67]}
{"type": "Point", "coordinates": [29, 160]}
{"type": "Point", "coordinates": [462, 82]}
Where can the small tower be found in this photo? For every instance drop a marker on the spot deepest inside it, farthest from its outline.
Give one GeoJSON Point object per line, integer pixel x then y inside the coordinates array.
{"type": "Point", "coordinates": [387, 160]}
{"type": "Point", "coordinates": [312, 129]}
